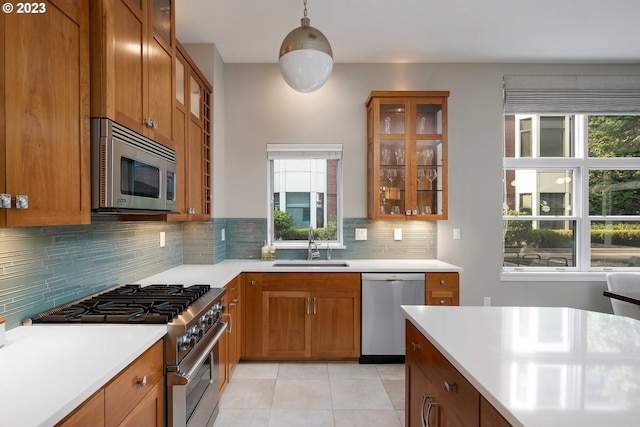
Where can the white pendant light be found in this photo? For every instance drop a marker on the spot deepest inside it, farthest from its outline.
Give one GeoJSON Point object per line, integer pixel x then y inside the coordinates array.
{"type": "Point", "coordinates": [306, 59]}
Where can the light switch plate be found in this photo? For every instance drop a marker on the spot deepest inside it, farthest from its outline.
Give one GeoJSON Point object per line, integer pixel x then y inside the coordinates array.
{"type": "Point", "coordinates": [361, 234]}
{"type": "Point", "coordinates": [162, 239]}
{"type": "Point", "coordinates": [456, 234]}
{"type": "Point", "coordinates": [397, 234]}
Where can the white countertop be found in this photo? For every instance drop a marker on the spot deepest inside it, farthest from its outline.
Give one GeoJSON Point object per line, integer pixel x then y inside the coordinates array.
{"type": "Point", "coordinates": [46, 371]}
{"type": "Point", "coordinates": [218, 275]}
{"type": "Point", "coordinates": [542, 367]}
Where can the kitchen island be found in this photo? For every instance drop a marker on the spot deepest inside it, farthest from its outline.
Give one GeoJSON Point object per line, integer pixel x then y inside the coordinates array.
{"type": "Point", "coordinates": [540, 366]}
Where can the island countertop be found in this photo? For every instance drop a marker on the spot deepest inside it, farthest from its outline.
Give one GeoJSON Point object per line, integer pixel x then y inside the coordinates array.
{"type": "Point", "coordinates": [542, 366]}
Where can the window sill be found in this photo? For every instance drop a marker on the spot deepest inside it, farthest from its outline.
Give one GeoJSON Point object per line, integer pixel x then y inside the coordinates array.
{"type": "Point", "coordinates": [553, 276]}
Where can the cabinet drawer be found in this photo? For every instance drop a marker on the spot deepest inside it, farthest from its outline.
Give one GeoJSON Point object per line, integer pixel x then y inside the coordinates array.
{"type": "Point", "coordinates": [442, 297]}
{"type": "Point", "coordinates": [442, 281]}
{"type": "Point", "coordinates": [418, 350]}
{"type": "Point", "coordinates": [233, 290]}
{"type": "Point", "coordinates": [126, 391]}
{"type": "Point", "coordinates": [455, 391]}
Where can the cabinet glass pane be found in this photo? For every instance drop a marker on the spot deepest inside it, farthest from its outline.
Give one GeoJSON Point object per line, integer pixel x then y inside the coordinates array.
{"type": "Point", "coordinates": [392, 118]}
{"type": "Point", "coordinates": [162, 19]}
{"type": "Point", "coordinates": [428, 118]}
{"type": "Point", "coordinates": [429, 177]}
{"type": "Point", "coordinates": [392, 177]}
{"type": "Point", "coordinates": [180, 82]}
{"type": "Point", "coordinates": [196, 96]}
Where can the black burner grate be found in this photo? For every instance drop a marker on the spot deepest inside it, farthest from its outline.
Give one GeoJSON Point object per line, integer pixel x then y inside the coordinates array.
{"type": "Point", "coordinates": [129, 304]}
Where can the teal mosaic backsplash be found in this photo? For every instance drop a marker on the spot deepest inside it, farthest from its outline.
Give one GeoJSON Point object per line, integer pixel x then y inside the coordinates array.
{"type": "Point", "coordinates": [41, 267]}
{"type": "Point", "coordinates": [245, 237]}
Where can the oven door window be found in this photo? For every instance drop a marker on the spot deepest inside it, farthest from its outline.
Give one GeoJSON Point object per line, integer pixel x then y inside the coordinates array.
{"type": "Point", "coordinates": [197, 386]}
{"type": "Point", "coordinates": [139, 179]}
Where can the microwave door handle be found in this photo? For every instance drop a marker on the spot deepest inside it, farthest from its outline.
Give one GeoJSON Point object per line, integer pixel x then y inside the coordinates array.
{"type": "Point", "coordinates": [180, 378]}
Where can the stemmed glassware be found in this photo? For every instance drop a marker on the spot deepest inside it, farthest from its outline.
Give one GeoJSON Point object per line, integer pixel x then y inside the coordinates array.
{"type": "Point", "coordinates": [386, 155]}
{"type": "Point", "coordinates": [431, 176]}
{"type": "Point", "coordinates": [392, 174]}
{"type": "Point", "coordinates": [421, 176]}
{"type": "Point", "coordinates": [428, 155]}
{"type": "Point", "coordinates": [399, 152]}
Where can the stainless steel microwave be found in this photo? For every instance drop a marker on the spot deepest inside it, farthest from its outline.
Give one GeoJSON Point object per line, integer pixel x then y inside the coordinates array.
{"type": "Point", "coordinates": [129, 172]}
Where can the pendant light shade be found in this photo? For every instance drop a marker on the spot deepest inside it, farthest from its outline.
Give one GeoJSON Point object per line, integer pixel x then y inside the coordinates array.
{"type": "Point", "coordinates": [306, 59]}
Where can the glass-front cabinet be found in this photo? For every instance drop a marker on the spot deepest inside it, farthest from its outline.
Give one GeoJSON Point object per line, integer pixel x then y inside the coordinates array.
{"type": "Point", "coordinates": [407, 155]}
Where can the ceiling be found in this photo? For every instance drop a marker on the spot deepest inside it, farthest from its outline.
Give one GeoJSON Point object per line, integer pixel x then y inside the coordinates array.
{"type": "Point", "coordinates": [421, 31]}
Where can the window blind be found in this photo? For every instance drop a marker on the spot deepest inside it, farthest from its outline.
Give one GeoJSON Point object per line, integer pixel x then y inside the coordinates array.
{"type": "Point", "coordinates": [304, 151]}
{"type": "Point", "coordinates": [578, 94]}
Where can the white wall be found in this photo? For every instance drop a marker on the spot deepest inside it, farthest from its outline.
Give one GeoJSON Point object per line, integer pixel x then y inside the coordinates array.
{"type": "Point", "coordinates": [259, 108]}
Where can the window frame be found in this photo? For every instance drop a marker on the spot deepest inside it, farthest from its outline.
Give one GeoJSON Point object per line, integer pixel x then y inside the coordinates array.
{"type": "Point", "coordinates": [581, 164]}
{"type": "Point", "coordinates": [305, 151]}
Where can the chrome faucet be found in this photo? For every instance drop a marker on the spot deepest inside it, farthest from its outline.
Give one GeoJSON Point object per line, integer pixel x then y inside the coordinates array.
{"type": "Point", "coordinates": [312, 251]}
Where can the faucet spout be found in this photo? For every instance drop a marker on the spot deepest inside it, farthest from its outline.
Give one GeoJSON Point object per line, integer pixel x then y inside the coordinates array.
{"type": "Point", "coordinates": [312, 251]}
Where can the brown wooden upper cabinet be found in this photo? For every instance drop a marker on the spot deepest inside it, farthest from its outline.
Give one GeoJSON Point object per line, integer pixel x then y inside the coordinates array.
{"type": "Point", "coordinates": [192, 140]}
{"type": "Point", "coordinates": [407, 155]}
{"type": "Point", "coordinates": [44, 116]}
{"type": "Point", "coordinates": [132, 51]}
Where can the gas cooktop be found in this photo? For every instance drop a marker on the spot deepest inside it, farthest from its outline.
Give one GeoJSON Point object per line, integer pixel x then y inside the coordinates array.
{"type": "Point", "coordinates": [127, 304]}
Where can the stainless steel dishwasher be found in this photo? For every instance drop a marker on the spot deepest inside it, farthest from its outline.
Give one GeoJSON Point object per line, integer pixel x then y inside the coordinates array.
{"type": "Point", "coordinates": [383, 324]}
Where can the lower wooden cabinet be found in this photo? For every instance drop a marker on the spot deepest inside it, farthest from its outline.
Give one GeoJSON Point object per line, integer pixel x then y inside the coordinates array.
{"type": "Point", "coordinates": [443, 288]}
{"type": "Point", "coordinates": [437, 394]}
{"type": "Point", "coordinates": [90, 413]}
{"type": "Point", "coordinates": [251, 335]}
{"type": "Point", "coordinates": [134, 398]}
{"type": "Point", "coordinates": [230, 342]}
{"type": "Point", "coordinates": [301, 315]}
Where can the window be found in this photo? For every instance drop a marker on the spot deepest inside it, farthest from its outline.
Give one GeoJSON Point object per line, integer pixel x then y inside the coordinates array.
{"type": "Point", "coordinates": [571, 190]}
{"type": "Point", "coordinates": [304, 187]}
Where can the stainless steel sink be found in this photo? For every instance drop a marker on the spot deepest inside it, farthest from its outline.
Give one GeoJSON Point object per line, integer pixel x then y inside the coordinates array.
{"type": "Point", "coordinates": [312, 264]}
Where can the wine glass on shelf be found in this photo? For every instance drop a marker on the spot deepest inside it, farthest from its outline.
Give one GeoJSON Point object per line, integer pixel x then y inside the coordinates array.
{"type": "Point", "coordinates": [421, 176]}
{"type": "Point", "coordinates": [392, 175]}
{"type": "Point", "coordinates": [399, 152]}
{"type": "Point", "coordinates": [431, 176]}
{"type": "Point", "coordinates": [428, 155]}
{"type": "Point", "coordinates": [386, 155]}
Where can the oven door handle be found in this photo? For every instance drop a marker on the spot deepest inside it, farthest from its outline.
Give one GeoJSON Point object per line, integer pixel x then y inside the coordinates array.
{"type": "Point", "coordinates": [180, 378]}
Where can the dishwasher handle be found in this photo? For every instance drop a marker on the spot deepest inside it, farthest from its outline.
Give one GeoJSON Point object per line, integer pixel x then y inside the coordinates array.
{"type": "Point", "coordinates": [385, 277]}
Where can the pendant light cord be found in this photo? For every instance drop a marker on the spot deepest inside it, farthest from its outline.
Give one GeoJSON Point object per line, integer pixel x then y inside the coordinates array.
{"type": "Point", "coordinates": [305, 8]}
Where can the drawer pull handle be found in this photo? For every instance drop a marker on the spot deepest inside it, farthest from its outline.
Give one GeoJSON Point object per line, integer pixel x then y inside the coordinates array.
{"type": "Point", "coordinates": [253, 283]}
{"type": "Point", "coordinates": [441, 302]}
{"type": "Point", "coordinates": [443, 282]}
{"type": "Point", "coordinates": [450, 388]}
{"type": "Point", "coordinates": [415, 346]}
{"type": "Point", "coordinates": [142, 381]}
{"type": "Point", "coordinates": [424, 420]}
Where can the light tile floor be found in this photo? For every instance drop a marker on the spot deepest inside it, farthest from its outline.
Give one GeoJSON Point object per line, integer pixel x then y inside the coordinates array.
{"type": "Point", "coordinates": [313, 395]}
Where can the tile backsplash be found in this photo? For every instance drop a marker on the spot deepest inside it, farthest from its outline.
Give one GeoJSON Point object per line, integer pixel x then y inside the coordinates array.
{"type": "Point", "coordinates": [41, 267]}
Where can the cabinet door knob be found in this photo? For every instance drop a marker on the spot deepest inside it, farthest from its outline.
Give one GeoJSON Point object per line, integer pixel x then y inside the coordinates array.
{"type": "Point", "coordinates": [22, 201]}
{"type": "Point", "coordinates": [443, 282]}
{"type": "Point", "coordinates": [5, 201]}
{"type": "Point", "coordinates": [253, 283]}
{"type": "Point", "coordinates": [148, 122]}
{"type": "Point", "coordinates": [142, 381]}
{"type": "Point", "coordinates": [415, 346]}
{"type": "Point", "coordinates": [450, 388]}
{"type": "Point", "coordinates": [441, 302]}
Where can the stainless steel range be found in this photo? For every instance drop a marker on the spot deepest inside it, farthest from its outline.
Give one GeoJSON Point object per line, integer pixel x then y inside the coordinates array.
{"type": "Point", "coordinates": [193, 315]}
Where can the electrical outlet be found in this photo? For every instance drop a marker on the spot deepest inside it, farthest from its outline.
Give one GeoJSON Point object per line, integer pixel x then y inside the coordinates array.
{"type": "Point", "coordinates": [222, 236]}
{"type": "Point", "coordinates": [361, 234]}
{"type": "Point", "coordinates": [487, 301]}
{"type": "Point", "coordinates": [162, 239]}
{"type": "Point", "coordinates": [397, 234]}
